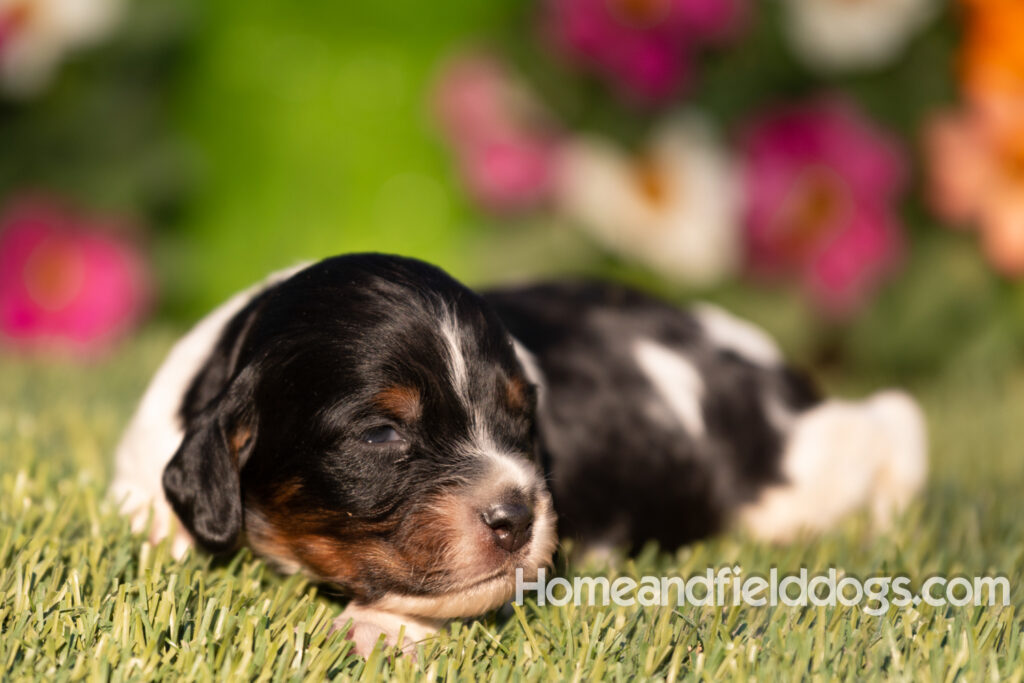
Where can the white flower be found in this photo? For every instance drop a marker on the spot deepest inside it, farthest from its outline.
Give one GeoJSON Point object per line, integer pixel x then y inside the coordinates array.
{"type": "Point", "coordinates": [833, 35]}
{"type": "Point", "coordinates": [675, 208]}
{"type": "Point", "coordinates": [35, 35]}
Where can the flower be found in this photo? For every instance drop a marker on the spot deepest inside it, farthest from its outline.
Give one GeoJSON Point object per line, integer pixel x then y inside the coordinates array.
{"type": "Point", "coordinates": [65, 282]}
{"type": "Point", "coordinates": [35, 35]}
{"type": "Point", "coordinates": [504, 142]}
{"type": "Point", "coordinates": [992, 56]}
{"type": "Point", "coordinates": [674, 208]}
{"type": "Point", "coordinates": [835, 35]}
{"type": "Point", "coordinates": [820, 182]}
{"type": "Point", "coordinates": [976, 169]}
{"type": "Point", "coordinates": [643, 47]}
{"type": "Point", "coordinates": [975, 155]}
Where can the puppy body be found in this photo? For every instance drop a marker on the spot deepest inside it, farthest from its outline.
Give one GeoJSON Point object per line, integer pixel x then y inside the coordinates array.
{"type": "Point", "coordinates": [668, 425]}
{"type": "Point", "coordinates": [373, 423]}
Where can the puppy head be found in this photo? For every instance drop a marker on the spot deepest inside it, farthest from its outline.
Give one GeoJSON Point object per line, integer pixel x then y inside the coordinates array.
{"type": "Point", "coordinates": [367, 421]}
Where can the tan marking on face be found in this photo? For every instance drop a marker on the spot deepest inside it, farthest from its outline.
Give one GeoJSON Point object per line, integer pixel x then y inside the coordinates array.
{"type": "Point", "coordinates": [516, 392]}
{"type": "Point", "coordinates": [438, 545]}
{"type": "Point", "coordinates": [239, 439]}
{"type": "Point", "coordinates": [298, 540]}
{"type": "Point", "coordinates": [401, 401]}
{"type": "Point", "coordinates": [476, 597]}
{"type": "Point", "coordinates": [442, 552]}
{"type": "Point", "coordinates": [285, 492]}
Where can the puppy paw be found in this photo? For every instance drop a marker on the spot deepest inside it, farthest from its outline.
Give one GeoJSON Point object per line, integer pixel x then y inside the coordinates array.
{"type": "Point", "coordinates": [371, 628]}
{"type": "Point", "coordinates": [365, 636]}
{"type": "Point", "coordinates": [153, 519]}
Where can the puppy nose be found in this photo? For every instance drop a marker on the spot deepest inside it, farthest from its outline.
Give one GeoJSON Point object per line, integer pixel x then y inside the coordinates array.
{"type": "Point", "coordinates": [511, 523]}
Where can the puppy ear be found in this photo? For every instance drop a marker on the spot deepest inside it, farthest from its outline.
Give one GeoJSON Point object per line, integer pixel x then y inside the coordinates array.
{"type": "Point", "coordinates": [201, 481]}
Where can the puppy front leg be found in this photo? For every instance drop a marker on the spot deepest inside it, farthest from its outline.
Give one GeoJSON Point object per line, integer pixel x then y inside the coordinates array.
{"type": "Point", "coordinates": [369, 624]}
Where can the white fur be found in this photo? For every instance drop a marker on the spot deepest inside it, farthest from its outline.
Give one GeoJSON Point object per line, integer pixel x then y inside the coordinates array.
{"type": "Point", "coordinates": [155, 431]}
{"type": "Point", "coordinates": [368, 624]}
{"type": "Point", "coordinates": [676, 380]}
{"type": "Point", "coordinates": [531, 368]}
{"type": "Point", "coordinates": [509, 470]}
{"type": "Point", "coordinates": [742, 337]}
{"type": "Point", "coordinates": [482, 443]}
{"type": "Point", "coordinates": [841, 456]}
{"type": "Point", "coordinates": [902, 475]}
{"type": "Point", "coordinates": [456, 358]}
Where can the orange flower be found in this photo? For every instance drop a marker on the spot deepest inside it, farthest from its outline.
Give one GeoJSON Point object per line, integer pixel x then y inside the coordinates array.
{"type": "Point", "coordinates": [976, 162]}
{"type": "Point", "coordinates": [976, 155]}
{"type": "Point", "coordinates": [992, 57]}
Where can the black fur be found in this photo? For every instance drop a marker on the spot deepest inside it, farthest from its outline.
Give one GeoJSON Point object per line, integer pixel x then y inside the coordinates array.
{"type": "Point", "coordinates": [305, 359]}
{"type": "Point", "coordinates": [201, 481]}
{"type": "Point", "coordinates": [277, 419]}
{"type": "Point", "coordinates": [620, 473]}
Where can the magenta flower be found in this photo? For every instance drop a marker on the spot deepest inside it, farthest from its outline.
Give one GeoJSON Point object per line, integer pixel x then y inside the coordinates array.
{"type": "Point", "coordinates": [821, 183]}
{"type": "Point", "coordinates": [504, 142]}
{"type": "Point", "coordinates": [644, 47]}
{"type": "Point", "coordinates": [66, 283]}
{"type": "Point", "coordinates": [506, 175]}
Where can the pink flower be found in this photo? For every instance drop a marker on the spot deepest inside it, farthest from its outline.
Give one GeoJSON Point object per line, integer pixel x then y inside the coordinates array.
{"type": "Point", "coordinates": [643, 47]}
{"type": "Point", "coordinates": [713, 20]}
{"type": "Point", "coordinates": [504, 142]}
{"type": "Point", "coordinates": [821, 182]}
{"type": "Point", "coordinates": [65, 283]}
{"type": "Point", "coordinates": [505, 175]}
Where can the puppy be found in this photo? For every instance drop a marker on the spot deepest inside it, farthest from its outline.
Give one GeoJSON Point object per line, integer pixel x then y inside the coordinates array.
{"type": "Point", "coordinates": [375, 424]}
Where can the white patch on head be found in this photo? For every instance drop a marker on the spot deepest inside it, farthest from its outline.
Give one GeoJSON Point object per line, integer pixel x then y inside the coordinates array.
{"type": "Point", "coordinates": [456, 357]}
{"type": "Point", "coordinates": [155, 431]}
{"type": "Point", "coordinates": [841, 456]}
{"type": "Point", "coordinates": [739, 336]}
{"type": "Point", "coordinates": [481, 444]}
{"type": "Point", "coordinates": [676, 380]}
{"type": "Point", "coordinates": [507, 469]}
{"type": "Point", "coordinates": [512, 469]}
{"type": "Point", "coordinates": [531, 368]}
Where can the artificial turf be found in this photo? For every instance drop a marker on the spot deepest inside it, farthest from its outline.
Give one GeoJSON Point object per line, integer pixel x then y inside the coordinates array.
{"type": "Point", "coordinates": [80, 597]}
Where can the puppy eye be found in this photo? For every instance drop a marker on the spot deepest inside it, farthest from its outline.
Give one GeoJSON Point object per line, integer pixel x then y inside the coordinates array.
{"type": "Point", "coordinates": [382, 434]}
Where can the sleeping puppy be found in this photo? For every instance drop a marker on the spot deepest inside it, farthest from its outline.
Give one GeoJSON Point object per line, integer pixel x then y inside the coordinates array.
{"type": "Point", "coordinates": [373, 423]}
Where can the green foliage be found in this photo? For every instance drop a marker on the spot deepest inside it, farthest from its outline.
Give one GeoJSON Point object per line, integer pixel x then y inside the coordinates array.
{"type": "Point", "coordinates": [313, 138]}
{"type": "Point", "coordinates": [100, 133]}
{"type": "Point", "coordinates": [252, 137]}
{"type": "Point", "coordinates": [80, 597]}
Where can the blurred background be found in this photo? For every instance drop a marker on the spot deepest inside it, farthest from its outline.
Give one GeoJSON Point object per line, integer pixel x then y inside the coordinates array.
{"type": "Point", "coordinates": [848, 174]}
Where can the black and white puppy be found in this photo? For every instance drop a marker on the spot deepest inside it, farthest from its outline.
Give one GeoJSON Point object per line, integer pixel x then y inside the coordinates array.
{"type": "Point", "coordinates": [372, 422]}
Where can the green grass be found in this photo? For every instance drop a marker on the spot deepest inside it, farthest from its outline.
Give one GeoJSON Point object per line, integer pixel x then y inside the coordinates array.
{"type": "Point", "coordinates": [80, 597]}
